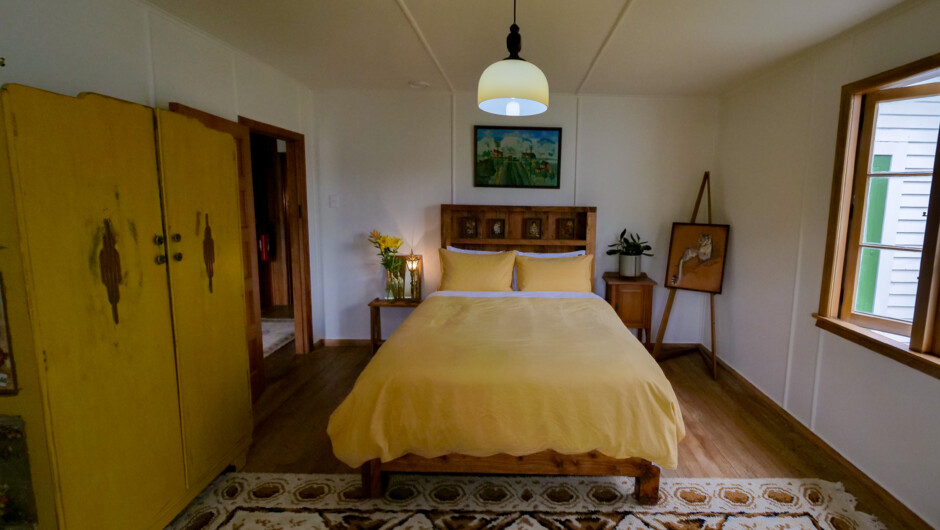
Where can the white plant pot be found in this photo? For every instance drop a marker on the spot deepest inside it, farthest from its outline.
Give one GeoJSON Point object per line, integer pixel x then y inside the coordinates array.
{"type": "Point", "coordinates": [630, 266]}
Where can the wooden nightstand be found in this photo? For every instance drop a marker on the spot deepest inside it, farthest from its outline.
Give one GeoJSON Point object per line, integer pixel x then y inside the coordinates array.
{"type": "Point", "coordinates": [632, 299]}
{"type": "Point", "coordinates": [375, 307]}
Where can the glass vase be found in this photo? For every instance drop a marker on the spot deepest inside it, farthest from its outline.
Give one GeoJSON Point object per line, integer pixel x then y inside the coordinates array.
{"type": "Point", "coordinates": [394, 284]}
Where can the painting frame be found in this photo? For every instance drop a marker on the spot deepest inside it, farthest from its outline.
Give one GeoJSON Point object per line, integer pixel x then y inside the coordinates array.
{"type": "Point", "coordinates": [701, 247]}
{"type": "Point", "coordinates": [532, 228]}
{"type": "Point", "coordinates": [496, 229]}
{"type": "Point", "coordinates": [539, 167]}
{"type": "Point", "coordinates": [566, 228]}
{"type": "Point", "coordinates": [469, 227]}
{"type": "Point", "coordinates": [8, 383]}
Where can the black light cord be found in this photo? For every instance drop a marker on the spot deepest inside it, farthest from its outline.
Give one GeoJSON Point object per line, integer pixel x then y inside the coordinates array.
{"type": "Point", "coordinates": [513, 40]}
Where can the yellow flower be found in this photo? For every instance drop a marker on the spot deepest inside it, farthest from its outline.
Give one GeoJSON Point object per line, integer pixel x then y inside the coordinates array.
{"type": "Point", "coordinates": [386, 244]}
{"type": "Point", "coordinates": [394, 242]}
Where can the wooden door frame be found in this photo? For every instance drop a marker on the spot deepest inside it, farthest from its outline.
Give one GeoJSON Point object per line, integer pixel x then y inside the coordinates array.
{"type": "Point", "coordinates": [242, 137]}
{"type": "Point", "coordinates": [296, 216]}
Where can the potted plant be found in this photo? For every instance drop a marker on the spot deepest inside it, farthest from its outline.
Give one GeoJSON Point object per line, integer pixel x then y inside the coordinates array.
{"type": "Point", "coordinates": [631, 251]}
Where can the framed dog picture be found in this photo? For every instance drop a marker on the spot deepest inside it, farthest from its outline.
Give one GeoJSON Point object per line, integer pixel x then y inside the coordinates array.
{"type": "Point", "coordinates": [697, 257]}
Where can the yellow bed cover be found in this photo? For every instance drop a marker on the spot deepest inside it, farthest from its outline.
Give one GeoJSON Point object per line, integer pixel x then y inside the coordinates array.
{"type": "Point", "coordinates": [479, 375]}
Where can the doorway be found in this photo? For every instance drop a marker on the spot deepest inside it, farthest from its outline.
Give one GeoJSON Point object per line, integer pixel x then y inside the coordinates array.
{"type": "Point", "coordinates": [296, 233]}
{"type": "Point", "coordinates": [280, 207]}
{"type": "Point", "coordinates": [269, 183]}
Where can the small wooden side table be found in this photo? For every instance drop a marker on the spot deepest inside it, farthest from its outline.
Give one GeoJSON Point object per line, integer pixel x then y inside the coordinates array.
{"type": "Point", "coordinates": [632, 299]}
{"type": "Point", "coordinates": [375, 307]}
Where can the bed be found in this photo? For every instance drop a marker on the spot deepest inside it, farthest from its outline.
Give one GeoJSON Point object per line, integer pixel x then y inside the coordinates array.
{"type": "Point", "coordinates": [534, 382]}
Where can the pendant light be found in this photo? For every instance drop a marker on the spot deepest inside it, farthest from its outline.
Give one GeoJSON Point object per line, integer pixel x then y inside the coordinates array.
{"type": "Point", "coordinates": [513, 87]}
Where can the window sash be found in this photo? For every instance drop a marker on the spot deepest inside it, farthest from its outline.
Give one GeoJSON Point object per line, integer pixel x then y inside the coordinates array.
{"type": "Point", "coordinates": [855, 243]}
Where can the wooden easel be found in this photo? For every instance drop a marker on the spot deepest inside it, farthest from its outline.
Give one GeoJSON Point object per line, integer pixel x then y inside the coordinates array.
{"type": "Point", "coordinates": [709, 356]}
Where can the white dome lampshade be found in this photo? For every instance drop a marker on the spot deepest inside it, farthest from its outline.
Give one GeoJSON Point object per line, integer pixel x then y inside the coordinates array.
{"type": "Point", "coordinates": [513, 87]}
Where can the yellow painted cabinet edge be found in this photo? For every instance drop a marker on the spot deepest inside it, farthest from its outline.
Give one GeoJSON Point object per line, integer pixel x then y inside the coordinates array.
{"type": "Point", "coordinates": [242, 445]}
{"type": "Point", "coordinates": [31, 401]}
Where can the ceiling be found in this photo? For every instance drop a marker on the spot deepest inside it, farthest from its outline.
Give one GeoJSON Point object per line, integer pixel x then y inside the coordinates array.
{"type": "Point", "coordinates": [618, 47]}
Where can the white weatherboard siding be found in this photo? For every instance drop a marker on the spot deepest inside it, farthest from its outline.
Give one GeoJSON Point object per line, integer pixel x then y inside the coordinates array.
{"type": "Point", "coordinates": [775, 158]}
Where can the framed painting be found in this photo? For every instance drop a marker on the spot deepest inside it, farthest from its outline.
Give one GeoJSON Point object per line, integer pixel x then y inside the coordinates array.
{"type": "Point", "coordinates": [468, 227]}
{"type": "Point", "coordinates": [565, 228]}
{"type": "Point", "coordinates": [697, 257]}
{"type": "Point", "coordinates": [496, 228]}
{"type": "Point", "coordinates": [532, 228]}
{"type": "Point", "coordinates": [516, 157]}
{"type": "Point", "coordinates": [7, 368]}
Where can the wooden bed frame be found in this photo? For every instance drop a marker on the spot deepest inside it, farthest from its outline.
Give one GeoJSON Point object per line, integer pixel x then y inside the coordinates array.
{"type": "Point", "coordinates": [470, 227]}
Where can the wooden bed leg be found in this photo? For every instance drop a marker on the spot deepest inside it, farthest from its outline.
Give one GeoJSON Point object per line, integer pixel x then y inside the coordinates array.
{"type": "Point", "coordinates": [372, 478]}
{"type": "Point", "coordinates": [647, 486]}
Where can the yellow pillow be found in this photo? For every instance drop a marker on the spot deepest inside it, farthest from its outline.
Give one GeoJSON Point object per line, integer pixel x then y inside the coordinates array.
{"type": "Point", "coordinates": [555, 274]}
{"type": "Point", "coordinates": [476, 272]}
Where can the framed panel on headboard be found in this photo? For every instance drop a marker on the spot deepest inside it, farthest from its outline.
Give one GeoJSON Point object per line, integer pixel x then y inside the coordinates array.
{"type": "Point", "coordinates": [525, 228]}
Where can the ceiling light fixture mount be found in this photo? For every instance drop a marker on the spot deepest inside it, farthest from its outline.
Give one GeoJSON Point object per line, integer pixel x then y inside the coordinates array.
{"type": "Point", "coordinates": [513, 86]}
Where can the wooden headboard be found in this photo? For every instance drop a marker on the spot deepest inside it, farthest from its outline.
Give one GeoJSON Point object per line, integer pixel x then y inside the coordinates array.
{"type": "Point", "coordinates": [525, 228]}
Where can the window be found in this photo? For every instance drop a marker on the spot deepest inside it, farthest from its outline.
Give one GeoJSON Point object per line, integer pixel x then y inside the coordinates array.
{"type": "Point", "coordinates": [879, 279]}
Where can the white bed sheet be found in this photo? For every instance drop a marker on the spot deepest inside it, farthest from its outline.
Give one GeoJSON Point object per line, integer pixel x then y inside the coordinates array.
{"type": "Point", "coordinates": [515, 294]}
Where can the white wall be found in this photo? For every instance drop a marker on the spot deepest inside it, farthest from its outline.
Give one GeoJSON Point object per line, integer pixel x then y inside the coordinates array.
{"type": "Point", "coordinates": [391, 159]}
{"type": "Point", "coordinates": [641, 161]}
{"type": "Point", "coordinates": [129, 50]}
{"type": "Point", "coordinates": [775, 158]}
{"type": "Point", "coordinates": [384, 158]}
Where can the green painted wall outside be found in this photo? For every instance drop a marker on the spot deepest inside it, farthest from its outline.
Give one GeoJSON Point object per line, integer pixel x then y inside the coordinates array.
{"type": "Point", "coordinates": [874, 222]}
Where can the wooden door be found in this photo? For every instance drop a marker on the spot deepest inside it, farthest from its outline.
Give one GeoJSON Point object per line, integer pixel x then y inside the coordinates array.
{"type": "Point", "coordinates": [249, 239]}
{"type": "Point", "coordinates": [199, 175]}
{"type": "Point", "coordinates": [85, 177]}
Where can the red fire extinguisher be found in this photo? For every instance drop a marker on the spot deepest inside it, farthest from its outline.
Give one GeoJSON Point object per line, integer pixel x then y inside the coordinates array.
{"type": "Point", "coordinates": [264, 247]}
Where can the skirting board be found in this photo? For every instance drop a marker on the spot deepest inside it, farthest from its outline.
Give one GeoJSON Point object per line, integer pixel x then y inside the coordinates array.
{"type": "Point", "coordinates": [900, 509]}
{"type": "Point", "coordinates": [324, 343]}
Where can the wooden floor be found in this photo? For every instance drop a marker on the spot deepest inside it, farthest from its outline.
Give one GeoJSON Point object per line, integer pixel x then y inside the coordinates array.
{"type": "Point", "coordinates": [278, 311]}
{"type": "Point", "coordinates": [731, 431]}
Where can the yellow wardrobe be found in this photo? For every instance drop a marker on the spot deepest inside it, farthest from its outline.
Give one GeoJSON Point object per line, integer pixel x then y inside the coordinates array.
{"type": "Point", "coordinates": [120, 254]}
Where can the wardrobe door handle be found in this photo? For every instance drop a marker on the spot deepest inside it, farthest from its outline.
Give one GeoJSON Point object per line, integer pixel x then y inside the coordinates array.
{"type": "Point", "coordinates": [176, 237]}
{"type": "Point", "coordinates": [158, 239]}
{"type": "Point", "coordinates": [178, 256]}
{"type": "Point", "coordinates": [161, 259]}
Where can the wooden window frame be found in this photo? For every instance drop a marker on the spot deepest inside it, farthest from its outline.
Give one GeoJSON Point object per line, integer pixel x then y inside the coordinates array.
{"type": "Point", "coordinates": [840, 269]}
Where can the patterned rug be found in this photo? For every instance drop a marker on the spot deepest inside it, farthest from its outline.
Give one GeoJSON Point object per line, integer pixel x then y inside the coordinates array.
{"type": "Point", "coordinates": [276, 332]}
{"type": "Point", "coordinates": [241, 501]}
